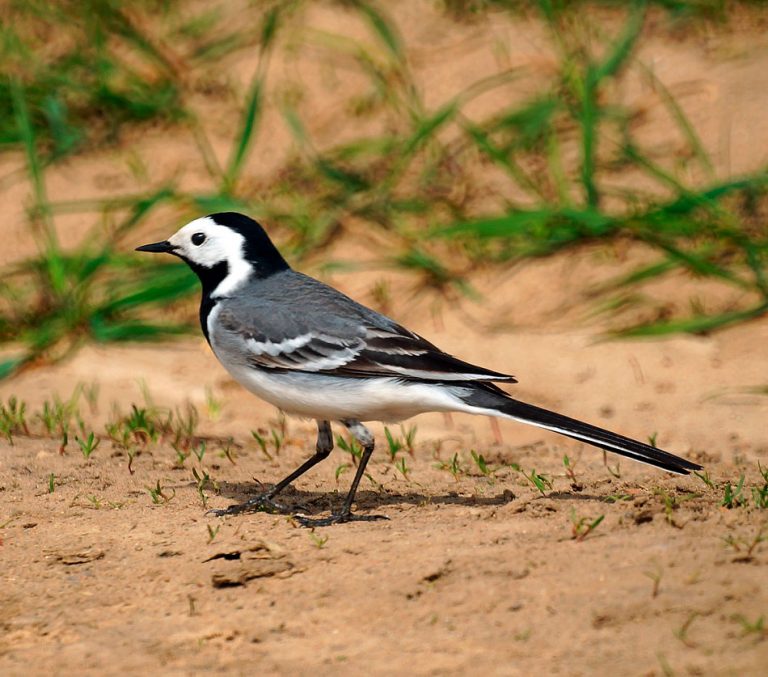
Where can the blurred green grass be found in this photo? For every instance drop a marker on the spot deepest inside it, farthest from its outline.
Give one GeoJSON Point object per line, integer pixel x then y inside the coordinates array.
{"type": "Point", "coordinates": [108, 70]}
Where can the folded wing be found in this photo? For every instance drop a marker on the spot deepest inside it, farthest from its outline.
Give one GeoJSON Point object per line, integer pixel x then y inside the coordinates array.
{"type": "Point", "coordinates": [359, 344]}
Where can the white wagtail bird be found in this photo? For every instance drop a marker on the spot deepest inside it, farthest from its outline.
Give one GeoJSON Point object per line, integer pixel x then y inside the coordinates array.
{"type": "Point", "coordinates": [312, 351]}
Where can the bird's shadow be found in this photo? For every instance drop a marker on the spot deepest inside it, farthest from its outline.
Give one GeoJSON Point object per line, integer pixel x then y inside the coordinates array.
{"type": "Point", "coordinates": [368, 499]}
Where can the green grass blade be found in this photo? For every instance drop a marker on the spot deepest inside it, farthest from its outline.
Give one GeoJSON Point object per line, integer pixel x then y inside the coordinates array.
{"type": "Point", "coordinates": [683, 122]}
{"type": "Point", "coordinates": [693, 325]}
{"type": "Point", "coordinates": [623, 47]}
{"type": "Point", "coordinates": [252, 113]}
{"type": "Point", "coordinates": [754, 261]}
{"type": "Point", "coordinates": [689, 201]}
{"type": "Point", "coordinates": [110, 16]}
{"type": "Point", "coordinates": [641, 274]}
{"type": "Point", "coordinates": [588, 118]}
{"type": "Point", "coordinates": [429, 126]}
{"type": "Point", "coordinates": [504, 160]}
{"type": "Point", "coordinates": [699, 264]}
{"type": "Point", "coordinates": [9, 366]}
{"type": "Point", "coordinates": [51, 251]}
{"type": "Point", "coordinates": [220, 203]}
{"type": "Point", "coordinates": [140, 208]}
{"type": "Point", "coordinates": [383, 28]}
{"type": "Point", "coordinates": [66, 137]}
{"type": "Point", "coordinates": [245, 138]}
{"type": "Point", "coordinates": [530, 123]}
{"type": "Point", "coordinates": [269, 27]}
{"type": "Point", "coordinates": [166, 284]}
{"type": "Point", "coordinates": [106, 331]}
{"type": "Point", "coordinates": [542, 225]}
{"type": "Point", "coordinates": [590, 113]}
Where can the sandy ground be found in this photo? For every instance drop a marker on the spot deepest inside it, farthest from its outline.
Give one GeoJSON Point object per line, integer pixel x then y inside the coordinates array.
{"type": "Point", "coordinates": [475, 576]}
{"type": "Point", "coordinates": [472, 573]}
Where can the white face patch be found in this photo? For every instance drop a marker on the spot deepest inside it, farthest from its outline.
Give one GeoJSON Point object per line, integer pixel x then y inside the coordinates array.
{"type": "Point", "coordinates": [206, 243]}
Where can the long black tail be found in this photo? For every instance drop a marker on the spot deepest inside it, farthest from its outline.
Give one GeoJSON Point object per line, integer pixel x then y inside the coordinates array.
{"type": "Point", "coordinates": [578, 430]}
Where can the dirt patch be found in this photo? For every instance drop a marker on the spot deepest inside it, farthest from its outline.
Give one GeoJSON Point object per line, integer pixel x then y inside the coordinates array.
{"type": "Point", "coordinates": [114, 572]}
{"type": "Point", "coordinates": [470, 574]}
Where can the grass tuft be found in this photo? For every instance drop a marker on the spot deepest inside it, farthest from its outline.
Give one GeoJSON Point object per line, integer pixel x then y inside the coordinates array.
{"type": "Point", "coordinates": [417, 174]}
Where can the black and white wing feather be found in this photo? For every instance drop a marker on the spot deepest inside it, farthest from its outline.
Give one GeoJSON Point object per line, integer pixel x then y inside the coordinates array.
{"type": "Point", "coordinates": [334, 335]}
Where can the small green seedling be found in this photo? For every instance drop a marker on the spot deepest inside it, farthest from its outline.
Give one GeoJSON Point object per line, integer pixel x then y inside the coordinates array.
{"type": "Point", "coordinates": [278, 438]}
{"type": "Point", "coordinates": [569, 466]}
{"type": "Point", "coordinates": [581, 527]}
{"type": "Point", "coordinates": [655, 577]}
{"type": "Point", "coordinates": [340, 470]}
{"type": "Point", "coordinates": [615, 498]}
{"type": "Point", "coordinates": [13, 419]}
{"type": "Point", "coordinates": [227, 450]}
{"type": "Point", "coordinates": [199, 451]}
{"type": "Point", "coordinates": [409, 437]}
{"type": "Point", "coordinates": [453, 466]}
{"type": "Point", "coordinates": [98, 503]}
{"type": "Point", "coordinates": [481, 463]}
{"type": "Point", "coordinates": [760, 494]}
{"type": "Point", "coordinates": [141, 425]}
{"type": "Point", "coordinates": [756, 627]}
{"type": "Point", "coordinates": [200, 482]}
{"type": "Point", "coordinates": [378, 485]}
{"type": "Point", "coordinates": [88, 445]}
{"type": "Point", "coordinates": [131, 451]}
{"type": "Point", "coordinates": [614, 472]}
{"type": "Point", "coordinates": [744, 546]}
{"type": "Point", "coordinates": [262, 444]}
{"type": "Point", "coordinates": [181, 426]}
{"type": "Point", "coordinates": [541, 482]}
{"type": "Point", "coordinates": [394, 445]}
{"type": "Point", "coordinates": [666, 668]}
{"type": "Point", "coordinates": [51, 483]}
{"type": "Point", "coordinates": [212, 532]}
{"type": "Point", "coordinates": [95, 501]}
{"type": "Point", "coordinates": [181, 456]}
{"type": "Point", "coordinates": [670, 505]}
{"type": "Point", "coordinates": [158, 494]}
{"type": "Point", "coordinates": [682, 632]}
{"type": "Point", "coordinates": [213, 404]}
{"type": "Point", "coordinates": [318, 541]}
{"type": "Point", "coordinates": [90, 392]}
{"type": "Point", "coordinates": [523, 635]}
{"type": "Point", "coordinates": [118, 434]}
{"type": "Point", "coordinates": [704, 477]}
{"type": "Point", "coordinates": [351, 447]}
{"type": "Point", "coordinates": [403, 468]}
{"type": "Point", "coordinates": [56, 416]}
{"type": "Point", "coordinates": [733, 497]}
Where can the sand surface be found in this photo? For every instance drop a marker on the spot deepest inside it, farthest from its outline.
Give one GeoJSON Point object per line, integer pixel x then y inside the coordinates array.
{"type": "Point", "coordinates": [473, 573]}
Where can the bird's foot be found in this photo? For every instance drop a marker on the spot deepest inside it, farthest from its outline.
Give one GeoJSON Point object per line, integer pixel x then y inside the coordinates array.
{"type": "Point", "coordinates": [336, 518]}
{"type": "Point", "coordinates": [260, 503]}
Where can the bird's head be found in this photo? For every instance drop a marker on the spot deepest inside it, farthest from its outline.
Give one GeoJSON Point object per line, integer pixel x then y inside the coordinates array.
{"type": "Point", "coordinates": [224, 250]}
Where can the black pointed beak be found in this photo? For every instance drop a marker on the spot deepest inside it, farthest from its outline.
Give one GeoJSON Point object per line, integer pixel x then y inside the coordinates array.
{"type": "Point", "coordinates": [163, 247]}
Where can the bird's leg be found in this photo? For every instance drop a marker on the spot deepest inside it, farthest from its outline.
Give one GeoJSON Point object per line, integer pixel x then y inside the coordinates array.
{"type": "Point", "coordinates": [365, 437]}
{"type": "Point", "coordinates": [263, 502]}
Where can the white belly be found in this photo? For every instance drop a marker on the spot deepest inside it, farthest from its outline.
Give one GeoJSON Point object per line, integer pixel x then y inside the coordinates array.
{"type": "Point", "coordinates": [336, 398]}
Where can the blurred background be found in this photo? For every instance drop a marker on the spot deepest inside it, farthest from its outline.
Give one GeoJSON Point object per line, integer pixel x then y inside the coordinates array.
{"type": "Point", "coordinates": [570, 191]}
{"type": "Point", "coordinates": [438, 149]}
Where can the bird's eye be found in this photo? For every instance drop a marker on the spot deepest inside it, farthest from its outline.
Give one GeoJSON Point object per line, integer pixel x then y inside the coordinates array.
{"type": "Point", "coordinates": [198, 239]}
